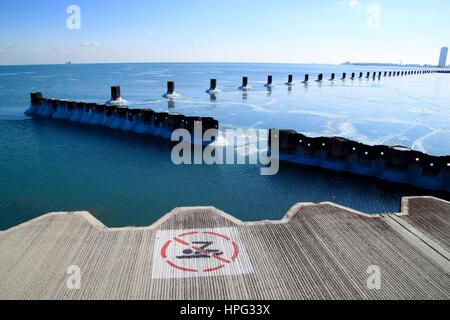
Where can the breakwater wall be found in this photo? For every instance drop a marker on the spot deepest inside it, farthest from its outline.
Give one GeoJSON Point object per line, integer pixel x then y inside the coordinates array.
{"type": "Point", "coordinates": [354, 76]}
{"type": "Point", "coordinates": [390, 163]}
{"type": "Point", "coordinates": [113, 115]}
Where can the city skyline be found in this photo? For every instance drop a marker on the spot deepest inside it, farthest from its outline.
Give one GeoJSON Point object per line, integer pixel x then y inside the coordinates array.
{"type": "Point", "coordinates": [443, 57]}
{"type": "Point", "coordinates": [332, 32]}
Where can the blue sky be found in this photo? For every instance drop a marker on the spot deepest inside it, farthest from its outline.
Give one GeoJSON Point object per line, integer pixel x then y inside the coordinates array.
{"type": "Point", "coordinates": [286, 31]}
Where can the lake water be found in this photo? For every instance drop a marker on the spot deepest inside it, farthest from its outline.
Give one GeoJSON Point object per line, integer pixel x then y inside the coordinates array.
{"type": "Point", "coordinates": [126, 179]}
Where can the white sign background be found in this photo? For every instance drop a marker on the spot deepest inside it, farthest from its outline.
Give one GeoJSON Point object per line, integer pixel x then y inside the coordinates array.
{"type": "Point", "coordinates": [174, 250]}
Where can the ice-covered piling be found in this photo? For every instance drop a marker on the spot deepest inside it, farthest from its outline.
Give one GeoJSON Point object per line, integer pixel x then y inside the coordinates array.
{"type": "Point", "coordinates": [87, 113]}
{"type": "Point", "coordinates": [333, 76]}
{"type": "Point", "coordinates": [36, 97]}
{"type": "Point", "coordinates": [213, 84]}
{"type": "Point", "coordinates": [244, 86]}
{"type": "Point", "coordinates": [245, 81]}
{"type": "Point", "coordinates": [59, 108]}
{"type": "Point", "coordinates": [269, 81]}
{"type": "Point", "coordinates": [77, 112]}
{"type": "Point", "coordinates": [98, 114]}
{"type": "Point", "coordinates": [116, 98]}
{"type": "Point", "coordinates": [171, 93]}
{"type": "Point", "coordinates": [306, 78]}
{"type": "Point", "coordinates": [115, 93]}
{"type": "Point", "coordinates": [132, 120]}
{"type": "Point", "coordinates": [213, 90]}
{"type": "Point", "coordinates": [290, 81]}
{"type": "Point", "coordinates": [170, 87]}
{"type": "Point", "coordinates": [37, 101]}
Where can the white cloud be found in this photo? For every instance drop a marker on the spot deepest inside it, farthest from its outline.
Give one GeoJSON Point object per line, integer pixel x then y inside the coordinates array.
{"type": "Point", "coordinates": [90, 44]}
{"type": "Point", "coordinates": [201, 44]}
{"type": "Point", "coordinates": [7, 48]}
{"type": "Point", "coordinates": [351, 3]}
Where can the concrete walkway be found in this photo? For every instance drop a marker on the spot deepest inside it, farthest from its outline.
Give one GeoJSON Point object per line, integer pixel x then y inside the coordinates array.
{"type": "Point", "coordinates": [318, 251]}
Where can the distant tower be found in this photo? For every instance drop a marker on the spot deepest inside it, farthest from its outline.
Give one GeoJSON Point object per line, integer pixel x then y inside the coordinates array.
{"type": "Point", "coordinates": [443, 58]}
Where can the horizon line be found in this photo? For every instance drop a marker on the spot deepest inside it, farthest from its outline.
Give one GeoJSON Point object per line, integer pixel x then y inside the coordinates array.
{"type": "Point", "coordinates": [227, 62]}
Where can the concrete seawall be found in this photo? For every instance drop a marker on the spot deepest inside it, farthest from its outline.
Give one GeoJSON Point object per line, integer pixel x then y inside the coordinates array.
{"type": "Point", "coordinates": [395, 164]}
{"type": "Point", "coordinates": [317, 251]}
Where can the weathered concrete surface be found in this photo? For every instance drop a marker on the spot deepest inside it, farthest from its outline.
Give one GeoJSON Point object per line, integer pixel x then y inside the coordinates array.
{"type": "Point", "coordinates": [318, 251]}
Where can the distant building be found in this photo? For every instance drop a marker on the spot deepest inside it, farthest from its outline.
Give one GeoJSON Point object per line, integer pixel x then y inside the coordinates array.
{"type": "Point", "coordinates": [443, 58]}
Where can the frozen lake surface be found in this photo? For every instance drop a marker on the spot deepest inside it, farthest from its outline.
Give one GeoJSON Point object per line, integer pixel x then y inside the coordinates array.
{"type": "Point", "coordinates": [128, 180]}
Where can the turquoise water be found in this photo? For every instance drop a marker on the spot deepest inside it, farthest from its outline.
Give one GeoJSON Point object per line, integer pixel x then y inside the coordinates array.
{"type": "Point", "coordinates": [126, 179]}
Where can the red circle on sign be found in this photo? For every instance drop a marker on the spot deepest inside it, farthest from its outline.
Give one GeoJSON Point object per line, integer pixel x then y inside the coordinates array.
{"type": "Point", "coordinates": [222, 262]}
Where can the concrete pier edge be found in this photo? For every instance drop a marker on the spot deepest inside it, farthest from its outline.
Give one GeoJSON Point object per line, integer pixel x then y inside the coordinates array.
{"type": "Point", "coordinates": [295, 210]}
{"type": "Point", "coordinates": [315, 252]}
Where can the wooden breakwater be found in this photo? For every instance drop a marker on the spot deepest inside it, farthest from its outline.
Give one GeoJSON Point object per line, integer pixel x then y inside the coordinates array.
{"type": "Point", "coordinates": [368, 75]}
{"type": "Point", "coordinates": [395, 164]}
{"type": "Point", "coordinates": [391, 163]}
{"type": "Point", "coordinates": [115, 115]}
